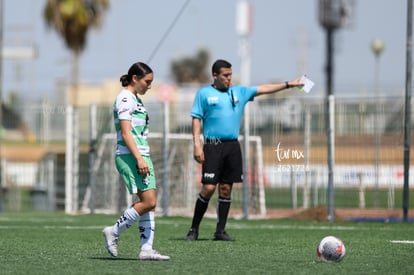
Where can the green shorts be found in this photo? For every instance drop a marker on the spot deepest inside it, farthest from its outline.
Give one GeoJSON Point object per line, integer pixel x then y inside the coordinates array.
{"type": "Point", "coordinates": [134, 182]}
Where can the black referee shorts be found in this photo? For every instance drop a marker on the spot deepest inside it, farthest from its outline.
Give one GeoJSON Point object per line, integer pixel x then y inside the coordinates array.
{"type": "Point", "coordinates": [222, 162]}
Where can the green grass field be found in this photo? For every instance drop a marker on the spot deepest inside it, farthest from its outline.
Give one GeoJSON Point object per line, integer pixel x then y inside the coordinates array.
{"type": "Point", "coordinates": [41, 243]}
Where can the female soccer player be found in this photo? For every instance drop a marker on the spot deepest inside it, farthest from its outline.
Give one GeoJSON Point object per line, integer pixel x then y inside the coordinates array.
{"type": "Point", "coordinates": [133, 162]}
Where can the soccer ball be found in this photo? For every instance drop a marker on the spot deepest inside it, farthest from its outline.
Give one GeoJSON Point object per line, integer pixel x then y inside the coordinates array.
{"type": "Point", "coordinates": [331, 249]}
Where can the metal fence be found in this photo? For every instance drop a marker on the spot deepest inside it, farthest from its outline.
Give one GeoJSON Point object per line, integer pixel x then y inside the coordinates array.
{"type": "Point", "coordinates": [368, 151]}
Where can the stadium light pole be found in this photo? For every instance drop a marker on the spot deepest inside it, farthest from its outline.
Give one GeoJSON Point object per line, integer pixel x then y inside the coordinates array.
{"type": "Point", "coordinates": [330, 17]}
{"type": "Point", "coordinates": [244, 28]}
{"type": "Point", "coordinates": [407, 119]}
{"type": "Point", "coordinates": [377, 47]}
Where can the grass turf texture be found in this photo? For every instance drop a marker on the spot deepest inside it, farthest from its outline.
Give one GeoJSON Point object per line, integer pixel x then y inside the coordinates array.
{"type": "Point", "coordinates": [39, 243]}
{"type": "Point", "coordinates": [20, 200]}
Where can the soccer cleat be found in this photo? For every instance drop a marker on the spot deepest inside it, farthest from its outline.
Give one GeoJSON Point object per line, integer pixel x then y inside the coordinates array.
{"type": "Point", "coordinates": [192, 235]}
{"type": "Point", "coordinates": [111, 241]}
{"type": "Point", "coordinates": [152, 255]}
{"type": "Point", "coordinates": [222, 236]}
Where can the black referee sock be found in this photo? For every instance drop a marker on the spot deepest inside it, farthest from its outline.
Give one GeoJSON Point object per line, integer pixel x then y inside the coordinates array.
{"type": "Point", "coordinates": [200, 208]}
{"type": "Point", "coordinates": [223, 208]}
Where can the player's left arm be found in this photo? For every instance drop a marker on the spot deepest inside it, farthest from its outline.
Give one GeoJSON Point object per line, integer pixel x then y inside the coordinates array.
{"type": "Point", "coordinates": [277, 87]}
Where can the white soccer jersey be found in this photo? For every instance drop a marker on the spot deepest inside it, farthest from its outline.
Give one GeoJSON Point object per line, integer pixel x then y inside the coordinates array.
{"type": "Point", "coordinates": [127, 106]}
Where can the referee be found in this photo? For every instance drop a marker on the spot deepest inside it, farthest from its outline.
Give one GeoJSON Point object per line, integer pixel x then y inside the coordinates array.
{"type": "Point", "coordinates": [217, 111]}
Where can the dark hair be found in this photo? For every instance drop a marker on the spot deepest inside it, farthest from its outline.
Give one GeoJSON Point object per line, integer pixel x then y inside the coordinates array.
{"type": "Point", "coordinates": [220, 63]}
{"type": "Point", "coordinates": [139, 69]}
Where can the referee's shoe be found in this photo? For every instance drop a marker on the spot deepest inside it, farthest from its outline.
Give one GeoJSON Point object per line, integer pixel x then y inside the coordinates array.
{"type": "Point", "coordinates": [222, 236]}
{"type": "Point", "coordinates": [192, 235]}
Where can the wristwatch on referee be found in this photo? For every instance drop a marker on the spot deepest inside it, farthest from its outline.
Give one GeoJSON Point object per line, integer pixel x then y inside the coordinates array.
{"type": "Point", "coordinates": [287, 84]}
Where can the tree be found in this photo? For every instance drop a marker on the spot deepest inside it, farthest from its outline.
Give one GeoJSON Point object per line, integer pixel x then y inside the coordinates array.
{"type": "Point", "coordinates": [72, 19]}
{"type": "Point", "coordinates": [191, 69]}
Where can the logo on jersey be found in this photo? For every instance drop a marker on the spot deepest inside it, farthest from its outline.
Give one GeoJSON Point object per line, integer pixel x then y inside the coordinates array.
{"type": "Point", "coordinates": [212, 100]}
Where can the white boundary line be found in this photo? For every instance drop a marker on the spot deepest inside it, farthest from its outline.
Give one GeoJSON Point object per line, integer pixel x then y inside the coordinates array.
{"type": "Point", "coordinates": [234, 226]}
{"type": "Point", "coordinates": [402, 241]}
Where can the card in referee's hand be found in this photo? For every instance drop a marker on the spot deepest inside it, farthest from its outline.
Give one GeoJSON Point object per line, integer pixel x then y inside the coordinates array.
{"type": "Point", "coordinates": [307, 84]}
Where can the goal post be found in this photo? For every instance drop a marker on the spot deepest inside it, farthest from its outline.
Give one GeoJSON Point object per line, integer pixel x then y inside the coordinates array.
{"type": "Point", "coordinates": [184, 176]}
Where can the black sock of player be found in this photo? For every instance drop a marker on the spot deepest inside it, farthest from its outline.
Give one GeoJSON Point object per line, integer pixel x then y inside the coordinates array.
{"type": "Point", "coordinates": [200, 208]}
{"type": "Point", "coordinates": [223, 208]}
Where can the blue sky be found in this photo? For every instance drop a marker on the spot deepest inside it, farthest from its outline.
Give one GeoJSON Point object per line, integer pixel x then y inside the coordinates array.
{"type": "Point", "coordinates": [287, 39]}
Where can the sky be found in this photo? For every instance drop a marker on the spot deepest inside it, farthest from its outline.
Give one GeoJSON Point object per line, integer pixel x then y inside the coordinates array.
{"type": "Point", "coordinates": [286, 41]}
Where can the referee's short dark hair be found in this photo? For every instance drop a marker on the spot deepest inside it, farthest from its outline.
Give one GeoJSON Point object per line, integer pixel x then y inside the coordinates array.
{"type": "Point", "coordinates": [220, 63]}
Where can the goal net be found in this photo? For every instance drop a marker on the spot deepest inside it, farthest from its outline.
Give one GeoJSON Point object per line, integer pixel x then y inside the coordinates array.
{"type": "Point", "coordinates": [178, 178]}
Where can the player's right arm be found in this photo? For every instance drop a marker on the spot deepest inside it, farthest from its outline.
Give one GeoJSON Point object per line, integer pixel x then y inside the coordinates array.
{"type": "Point", "coordinates": [198, 146]}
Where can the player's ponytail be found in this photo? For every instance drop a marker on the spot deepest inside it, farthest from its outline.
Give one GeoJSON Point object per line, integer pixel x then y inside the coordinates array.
{"type": "Point", "coordinates": [139, 69]}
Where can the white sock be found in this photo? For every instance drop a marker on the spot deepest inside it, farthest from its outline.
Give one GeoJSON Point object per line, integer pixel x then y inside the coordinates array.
{"type": "Point", "coordinates": [124, 222]}
{"type": "Point", "coordinates": [147, 230]}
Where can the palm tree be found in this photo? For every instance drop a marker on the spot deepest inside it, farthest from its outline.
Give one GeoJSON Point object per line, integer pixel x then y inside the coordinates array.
{"type": "Point", "coordinates": [72, 19]}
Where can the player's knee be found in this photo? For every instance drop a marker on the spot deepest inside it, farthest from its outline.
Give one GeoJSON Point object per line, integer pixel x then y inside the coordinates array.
{"type": "Point", "coordinates": [225, 191]}
{"type": "Point", "coordinates": [207, 190]}
{"type": "Point", "coordinates": [146, 207]}
{"type": "Point", "coordinates": [148, 204]}
{"type": "Point", "coordinates": [151, 204]}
